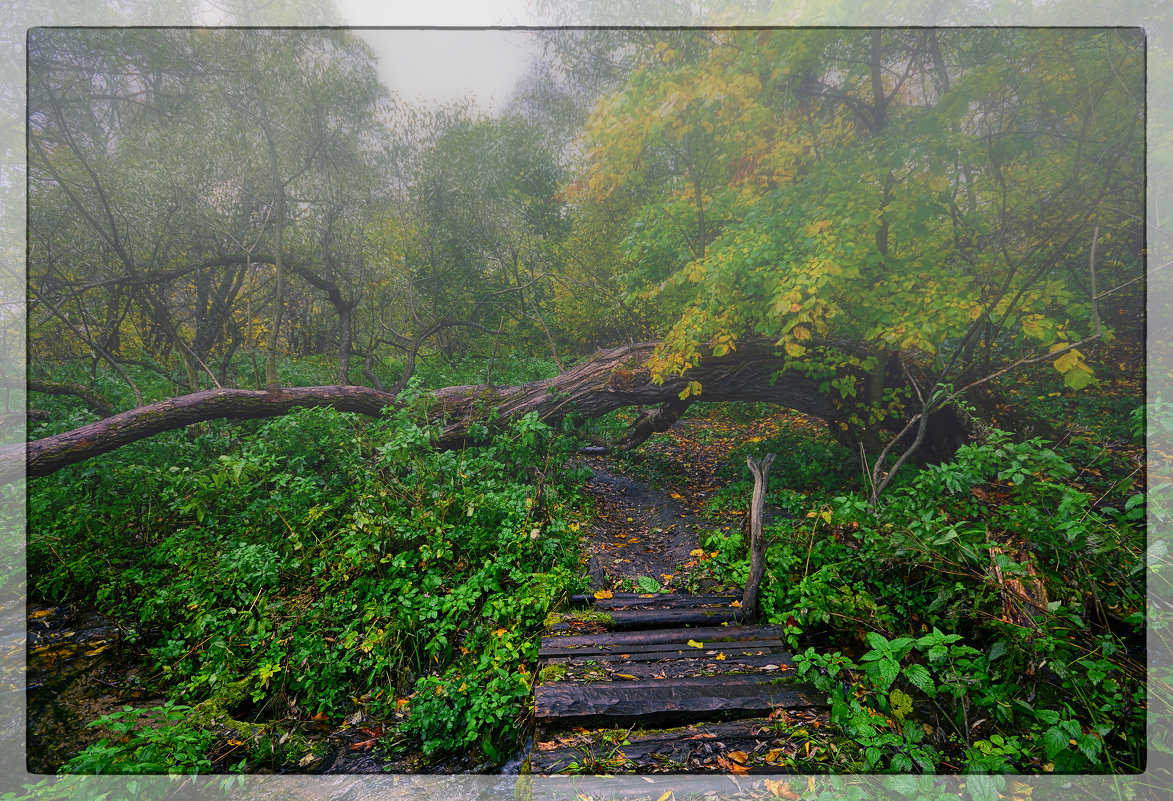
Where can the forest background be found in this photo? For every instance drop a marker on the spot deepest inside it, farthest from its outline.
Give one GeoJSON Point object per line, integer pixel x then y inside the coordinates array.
{"type": "Point", "coordinates": [1154, 289]}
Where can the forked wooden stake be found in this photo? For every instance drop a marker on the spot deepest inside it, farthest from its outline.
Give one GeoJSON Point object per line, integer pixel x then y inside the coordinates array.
{"type": "Point", "coordinates": [757, 545]}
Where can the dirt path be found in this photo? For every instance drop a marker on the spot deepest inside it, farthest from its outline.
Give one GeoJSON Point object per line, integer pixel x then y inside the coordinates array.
{"type": "Point", "coordinates": [640, 681]}
{"type": "Point", "coordinates": [652, 506]}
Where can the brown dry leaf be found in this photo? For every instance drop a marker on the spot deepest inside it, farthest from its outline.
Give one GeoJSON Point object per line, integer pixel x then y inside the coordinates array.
{"type": "Point", "coordinates": [781, 790]}
{"type": "Point", "coordinates": [738, 756]}
{"type": "Point", "coordinates": [731, 767]}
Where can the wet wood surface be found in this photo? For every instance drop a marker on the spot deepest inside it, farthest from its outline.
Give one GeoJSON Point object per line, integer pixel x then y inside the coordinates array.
{"type": "Point", "coordinates": [718, 688]}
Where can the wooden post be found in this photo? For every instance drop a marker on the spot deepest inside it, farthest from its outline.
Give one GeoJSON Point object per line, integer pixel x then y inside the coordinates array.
{"type": "Point", "coordinates": [757, 544]}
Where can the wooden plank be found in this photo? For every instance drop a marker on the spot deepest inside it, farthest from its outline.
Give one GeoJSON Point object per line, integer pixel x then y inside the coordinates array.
{"type": "Point", "coordinates": [697, 746]}
{"type": "Point", "coordinates": [701, 634]}
{"type": "Point", "coordinates": [678, 598]}
{"type": "Point", "coordinates": [686, 665]}
{"type": "Point", "coordinates": [632, 619]}
{"type": "Point", "coordinates": [668, 649]}
{"type": "Point", "coordinates": [648, 618]}
{"type": "Point", "coordinates": [697, 698]}
{"type": "Point", "coordinates": [663, 601]}
{"type": "Point", "coordinates": [658, 652]}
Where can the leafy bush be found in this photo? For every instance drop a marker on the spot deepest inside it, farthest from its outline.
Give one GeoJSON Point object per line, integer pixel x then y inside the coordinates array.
{"type": "Point", "coordinates": [923, 582]}
{"type": "Point", "coordinates": [155, 740]}
{"type": "Point", "coordinates": [322, 565]}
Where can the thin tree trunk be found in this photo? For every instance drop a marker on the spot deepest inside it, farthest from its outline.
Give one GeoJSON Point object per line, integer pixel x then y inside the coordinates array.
{"type": "Point", "coordinates": [278, 262]}
{"type": "Point", "coordinates": [98, 404]}
{"type": "Point", "coordinates": [757, 544]}
{"type": "Point", "coordinates": [344, 345]}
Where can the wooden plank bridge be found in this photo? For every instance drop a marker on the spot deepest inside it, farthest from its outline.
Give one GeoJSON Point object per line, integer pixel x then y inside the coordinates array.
{"type": "Point", "coordinates": [669, 683]}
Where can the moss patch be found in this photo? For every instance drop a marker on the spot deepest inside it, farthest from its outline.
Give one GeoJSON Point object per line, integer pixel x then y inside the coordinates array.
{"type": "Point", "coordinates": [554, 672]}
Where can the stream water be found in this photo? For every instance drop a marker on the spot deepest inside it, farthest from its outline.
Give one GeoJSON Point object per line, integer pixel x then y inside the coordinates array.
{"type": "Point", "coordinates": [79, 668]}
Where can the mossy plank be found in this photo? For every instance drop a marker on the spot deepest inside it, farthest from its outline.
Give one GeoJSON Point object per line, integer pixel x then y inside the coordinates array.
{"type": "Point", "coordinates": [673, 668]}
{"type": "Point", "coordinates": [705, 634]}
{"type": "Point", "coordinates": [649, 700]}
{"type": "Point", "coordinates": [553, 651]}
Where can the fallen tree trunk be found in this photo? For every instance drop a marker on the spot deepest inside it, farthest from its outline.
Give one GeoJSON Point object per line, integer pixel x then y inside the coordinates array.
{"type": "Point", "coordinates": [609, 380]}
{"type": "Point", "coordinates": [45, 456]}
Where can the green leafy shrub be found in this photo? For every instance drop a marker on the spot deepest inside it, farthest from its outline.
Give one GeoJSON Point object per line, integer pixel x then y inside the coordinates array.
{"type": "Point", "coordinates": [917, 581]}
{"type": "Point", "coordinates": [155, 740]}
{"type": "Point", "coordinates": [321, 564]}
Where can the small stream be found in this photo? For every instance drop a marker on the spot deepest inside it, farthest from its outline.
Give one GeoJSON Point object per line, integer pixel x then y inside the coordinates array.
{"type": "Point", "coordinates": [79, 668]}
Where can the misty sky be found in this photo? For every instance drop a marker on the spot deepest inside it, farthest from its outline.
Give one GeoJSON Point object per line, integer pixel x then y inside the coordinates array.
{"type": "Point", "coordinates": [444, 66]}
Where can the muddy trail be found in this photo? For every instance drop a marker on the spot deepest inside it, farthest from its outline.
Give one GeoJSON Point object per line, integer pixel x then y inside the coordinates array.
{"type": "Point", "coordinates": [651, 506]}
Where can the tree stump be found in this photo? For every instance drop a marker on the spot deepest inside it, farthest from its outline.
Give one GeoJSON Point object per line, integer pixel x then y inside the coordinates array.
{"type": "Point", "coordinates": [757, 545]}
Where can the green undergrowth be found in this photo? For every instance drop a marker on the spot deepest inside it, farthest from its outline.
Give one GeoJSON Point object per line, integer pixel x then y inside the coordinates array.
{"type": "Point", "coordinates": [927, 645]}
{"type": "Point", "coordinates": [317, 567]}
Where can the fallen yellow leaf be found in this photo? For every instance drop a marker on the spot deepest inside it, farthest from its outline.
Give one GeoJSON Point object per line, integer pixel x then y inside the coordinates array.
{"type": "Point", "coordinates": [696, 644]}
{"type": "Point", "coordinates": [665, 796]}
{"type": "Point", "coordinates": [719, 657]}
{"type": "Point", "coordinates": [603, 594]}
{"type": "Point", "coordinates": [736, 604]}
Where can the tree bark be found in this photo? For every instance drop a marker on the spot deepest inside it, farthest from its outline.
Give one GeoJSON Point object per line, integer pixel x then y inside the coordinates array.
{"type": "Point", "coordinates": [757, 544]}
{"type": "Point", "coordinates": [45, 456]}
{"type": "Point", "coordinates": [609, 380]}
